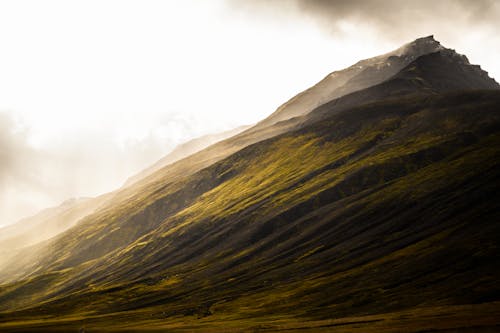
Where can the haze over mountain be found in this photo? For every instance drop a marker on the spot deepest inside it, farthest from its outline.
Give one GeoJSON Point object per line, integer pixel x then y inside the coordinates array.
{"type": "Point", "coordinates": [365, 203]}
{"type": "Point", "coordinates": [45, 225]}
{"type": "Point", "coordinates": [184, 150]}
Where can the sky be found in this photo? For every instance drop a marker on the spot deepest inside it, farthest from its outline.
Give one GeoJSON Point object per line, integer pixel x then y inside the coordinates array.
{"type": "Point", "coordinates": [92, 92]}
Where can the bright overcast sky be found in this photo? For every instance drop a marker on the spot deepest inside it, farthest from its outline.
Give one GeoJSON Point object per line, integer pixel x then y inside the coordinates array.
{"type": "Point", "coordinates": [93, 91]}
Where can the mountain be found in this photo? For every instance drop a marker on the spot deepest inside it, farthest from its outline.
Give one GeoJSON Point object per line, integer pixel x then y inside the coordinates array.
{"type": "Point", "coordinates": [362, 74]}
{"type": "Point", "coordinates": [184, 150]}
{"type": "Point", "coordinates": [374, 211]}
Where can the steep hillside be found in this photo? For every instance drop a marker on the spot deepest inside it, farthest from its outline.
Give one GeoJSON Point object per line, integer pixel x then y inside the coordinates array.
{"type": "Point", "coordinates": [394, 209]}
{"type": "Point", "coordinates": [141, 208]}
{"type": "Point", "coordinates": [376, 211]}
{"type": "Point", "coordinates": [131, 211]}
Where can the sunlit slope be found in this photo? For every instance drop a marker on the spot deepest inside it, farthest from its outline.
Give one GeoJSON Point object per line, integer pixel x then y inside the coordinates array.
{"type": "Point", "coordinates": [130, 212]}
{"type": "Point", "coordinates": [377, 208]}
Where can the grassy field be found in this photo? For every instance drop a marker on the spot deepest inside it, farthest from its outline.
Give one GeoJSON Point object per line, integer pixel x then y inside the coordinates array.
{"type": "Point", "coordinates": [463, 318]}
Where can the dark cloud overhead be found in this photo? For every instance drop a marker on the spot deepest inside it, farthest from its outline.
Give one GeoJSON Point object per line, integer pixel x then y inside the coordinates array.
{"type": "Point", "coordinates": [394, 18]}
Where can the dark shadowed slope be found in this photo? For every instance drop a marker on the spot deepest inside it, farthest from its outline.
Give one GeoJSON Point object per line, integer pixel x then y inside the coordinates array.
{"type": "Point", "coordinates": [384, 200]}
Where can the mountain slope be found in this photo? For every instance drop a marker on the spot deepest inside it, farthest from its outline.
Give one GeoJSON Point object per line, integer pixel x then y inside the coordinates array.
{"type": "Point", "coordinates": [383, 200]}
{"type": "Point", "coordinates": [139, 209]}
{"type": "Point", "coordinates": [402, 204]}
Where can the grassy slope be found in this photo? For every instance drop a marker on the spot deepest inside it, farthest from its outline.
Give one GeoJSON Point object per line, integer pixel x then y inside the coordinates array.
{"type": "Point", "coordinates": [129, 213]}
{"type": "Point", "coordinates": [386, 207]}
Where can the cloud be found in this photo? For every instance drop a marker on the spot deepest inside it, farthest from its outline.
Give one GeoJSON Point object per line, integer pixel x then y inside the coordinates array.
{"type": "Point", "coordinates": [16, 156]}
{"type": "Point", "coordinates": [18, 182]}
{"type": "Point", "coordinates": [470, 27]}
{"type": "Point", "coordinates": [6, 148]}
{"type": "Point", "coordinates": [394, 19]}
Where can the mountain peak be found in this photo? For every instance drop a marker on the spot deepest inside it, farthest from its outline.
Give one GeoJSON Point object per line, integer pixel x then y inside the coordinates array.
{"type": "Point", "coordinates": [366, 73]}
{"type": "Point", "coordinates": [430, 37]}
{"type": "Point", "coordinates": [418, 47]}
{"type": "Point", "coordinates": [427, 45]}
{"type": "Point", "coordinates": [425, 40]}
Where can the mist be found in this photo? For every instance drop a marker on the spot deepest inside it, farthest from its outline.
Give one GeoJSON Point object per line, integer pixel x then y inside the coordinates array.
{"type": "Point", "coordinates": [85, 164]}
